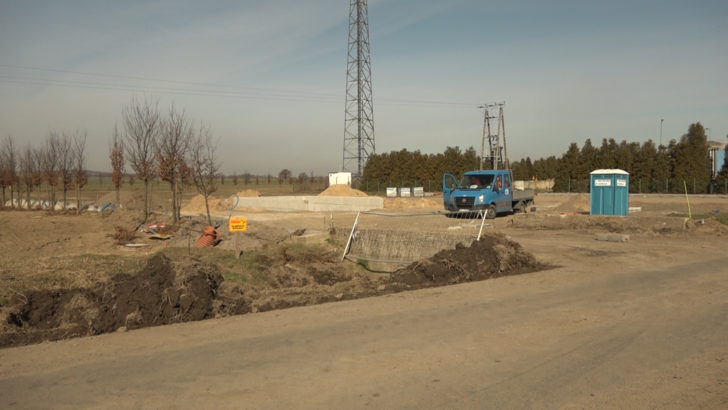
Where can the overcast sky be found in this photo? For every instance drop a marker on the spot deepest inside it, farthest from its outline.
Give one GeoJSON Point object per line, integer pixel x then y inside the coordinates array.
{"type": "Point", "coordinates": [268, 76]}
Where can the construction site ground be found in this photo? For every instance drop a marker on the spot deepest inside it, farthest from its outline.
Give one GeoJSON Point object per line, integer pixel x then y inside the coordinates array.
{"type": "Point", "coordinates": [577, 310]}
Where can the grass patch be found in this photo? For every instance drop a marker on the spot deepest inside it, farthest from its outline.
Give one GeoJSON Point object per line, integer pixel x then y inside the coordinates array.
{"type": "Point", "coordinates": [364, 263]}
{"type": "Point", "coordinates": [245, 269]}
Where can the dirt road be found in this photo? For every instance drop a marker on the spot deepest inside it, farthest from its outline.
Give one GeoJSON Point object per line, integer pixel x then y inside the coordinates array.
{"type": "Point", "coordinates": [595, 332]}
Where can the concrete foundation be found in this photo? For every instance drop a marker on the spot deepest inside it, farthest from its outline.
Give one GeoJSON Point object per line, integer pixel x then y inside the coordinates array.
{"type": "Point", "coordinates": [387, 251]}
{"type": "Point", "coordinates": [311, 203]}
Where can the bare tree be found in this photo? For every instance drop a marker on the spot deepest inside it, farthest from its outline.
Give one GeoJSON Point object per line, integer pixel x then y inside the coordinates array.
{"type": "Point", "coordinates": [3, 176]}
{"type": "Point", "coordinates": [8, 169]}
{"type": "Point", "coordinates": [65, 165]}
{"type": "Point", "coordinates": [302, 178]}
{"type": "Point", "coordinates": [5, 180]}
{"type": "Point", "coordinates": [142, 126]}
{"type": "Point", "coordinates": [116, 154]}
{"type": "Point", "coordinates": [284, 176]}
{"type": "Point", "coordinates": [29, 171]}
{"type": "Point", "coordinates": [37, 172]}
{"type": "Point", "coordinates": [80, 176]}
{"type": "Point", "coordinates": [172, 148]}
{"type": "Point", "coordinates": [50, 167]}
{"type": "Point", "coordinates": [204, 166]}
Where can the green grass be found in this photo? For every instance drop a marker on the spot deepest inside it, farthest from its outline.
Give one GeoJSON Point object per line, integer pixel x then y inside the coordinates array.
{"type": "Point", "coordinates": [242, 270]}
{"type": "Point", "coordinates": [364, 263]}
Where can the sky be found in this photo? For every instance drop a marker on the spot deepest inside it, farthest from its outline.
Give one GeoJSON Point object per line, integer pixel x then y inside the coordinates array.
{"type": "Point", "coordinates": [268, 77]}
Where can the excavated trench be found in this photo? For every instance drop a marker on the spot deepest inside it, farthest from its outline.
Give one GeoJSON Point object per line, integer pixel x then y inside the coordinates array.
{"type": "Point", "coordinates": [167, 291]}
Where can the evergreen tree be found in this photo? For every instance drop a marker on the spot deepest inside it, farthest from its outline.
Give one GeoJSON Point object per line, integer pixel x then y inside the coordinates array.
{"type": "Point", "coordinates": [587, 158]}
{"type": "Point", "coordinates": [645, 158]}
{"type": "Point", "coordinates": [692, 159]}
{"type": "Point", "coordinates": [624, 156]}
{"type": "Point", "coordinates": [529, 168]}
{"type": "Point", "coordinates": [660, 173]}
{"type": "Point", "coordinates": [567, 169]}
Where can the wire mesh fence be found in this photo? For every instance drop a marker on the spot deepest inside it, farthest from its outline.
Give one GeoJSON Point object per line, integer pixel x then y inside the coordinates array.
{"type": "Point", "coordinates": [651, 185]}
{"type": "Point", "coordinates": [694, 185]}
{"type": "Point", "coordinates": [385, 242]}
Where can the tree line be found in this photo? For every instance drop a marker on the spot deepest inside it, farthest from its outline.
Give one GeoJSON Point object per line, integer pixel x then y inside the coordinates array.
{"type": "Point", "coordinates": [416, 167]}
{"type": "Point", "coordinates": [168, 146]}
{"type": "Point", "coordinates": [165, 146]}
{"type": "Point", "coordinates": [59, 163]}
{"type": "Point", "coordinates": [686, 159]}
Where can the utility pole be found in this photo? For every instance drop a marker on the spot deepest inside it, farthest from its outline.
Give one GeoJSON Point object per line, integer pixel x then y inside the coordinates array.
{"type": "Point", "coordinates": [359, 107]}
{"type": "Point", "coordinates": [496, 155]}
{"type": "Point", "coordinates": [661, 120]}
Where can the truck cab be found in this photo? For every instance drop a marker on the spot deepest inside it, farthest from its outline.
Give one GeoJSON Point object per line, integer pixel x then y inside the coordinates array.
{"type": "Point", "coordinates": [485, 190]}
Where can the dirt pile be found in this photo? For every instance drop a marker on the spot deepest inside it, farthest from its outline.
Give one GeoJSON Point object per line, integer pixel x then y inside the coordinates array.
{"type": "Point", "coordinates": [162, 293]}
{"type": "Point", "coordinates": [341, 190]}
{"type": "Point", "coordinates": [491, 257]}
{"type": "Point", "coordinates": [281, 275]}
{"type": "Point", "coordinates": [575, 203]}
{"type": "Point", "coordinates": [197, 204]}
{"type": "Point", "coordinates": [249, 193]}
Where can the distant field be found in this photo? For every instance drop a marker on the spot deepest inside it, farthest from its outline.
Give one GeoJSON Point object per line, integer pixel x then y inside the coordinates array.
{"type": "Point", "coordinates": [97, 187]}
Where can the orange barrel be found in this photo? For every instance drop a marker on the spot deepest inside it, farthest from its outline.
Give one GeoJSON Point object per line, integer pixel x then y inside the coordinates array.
{"type": "Point", "coordinates": [208, 238]}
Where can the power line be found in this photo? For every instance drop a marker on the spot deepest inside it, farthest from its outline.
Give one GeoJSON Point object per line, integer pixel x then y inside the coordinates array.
{"type": "Point", "coordinates": [229, 90]}
{"type": "Point", "coordinates": [162, 80]}
{"type": "Point", "coordinates": [168, 90]}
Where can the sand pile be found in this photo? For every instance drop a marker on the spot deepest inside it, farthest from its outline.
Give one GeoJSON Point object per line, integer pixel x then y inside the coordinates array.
{"type": "Point", "coordinates": [197, 204]}
{"type": "Point", "coordinates": [249, 193]}
{"type": "Point", "coordinates": [342, 190]}
{"type": "Point", "coordinates": [575, 203]}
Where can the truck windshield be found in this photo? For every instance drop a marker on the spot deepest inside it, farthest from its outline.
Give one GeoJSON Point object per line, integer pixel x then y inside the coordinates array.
{"type": "Point", "coordinates": [476, 181]}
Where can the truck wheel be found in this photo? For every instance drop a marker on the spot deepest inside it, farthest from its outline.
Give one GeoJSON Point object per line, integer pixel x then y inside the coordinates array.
{"type": "Point", "coordinates": [490, 212]}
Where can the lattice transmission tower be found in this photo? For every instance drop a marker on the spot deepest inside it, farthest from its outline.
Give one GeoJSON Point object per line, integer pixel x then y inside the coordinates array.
{"type": "Point", "coordinates": [359, 111]}
{"type": "Point", "coordinates": [496, 157]}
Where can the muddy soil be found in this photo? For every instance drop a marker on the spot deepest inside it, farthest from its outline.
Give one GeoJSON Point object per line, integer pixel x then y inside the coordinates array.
{"type": "Point", "coordinates": [491, 257]}
{"type": "Point", "coordinates": [165, 292]}
{"type": "Point", "coordinates": [159, 294]}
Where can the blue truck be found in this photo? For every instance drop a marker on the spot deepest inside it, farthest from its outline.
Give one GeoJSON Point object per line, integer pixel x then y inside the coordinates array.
{"type": "Point", "coordinates": [490, 191]}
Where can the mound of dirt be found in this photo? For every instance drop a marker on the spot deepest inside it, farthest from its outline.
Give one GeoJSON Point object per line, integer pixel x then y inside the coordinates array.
{"type": "Point", "coordinates": [249, 193]}
{"type": "Point", "coordinates": [161, 293]}
{"type": "Point", "coordinates": [491, 257]}
{"type": "Point", "coordinates": [575, 203]}
{"type": "Point", "coordinates": [341, 190]}
{"type": "Point", "coordinates": [282, 274]}
{"type": "Point", "coordinates": [197, 204]}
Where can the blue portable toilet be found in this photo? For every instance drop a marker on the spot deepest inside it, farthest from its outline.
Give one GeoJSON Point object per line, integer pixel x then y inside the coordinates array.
{"type": "Point", "coordinates": [609, 192]}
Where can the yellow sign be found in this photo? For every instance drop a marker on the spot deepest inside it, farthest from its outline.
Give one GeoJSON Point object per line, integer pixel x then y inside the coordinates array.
{"type": "Point", "coordinates": [238, 224]}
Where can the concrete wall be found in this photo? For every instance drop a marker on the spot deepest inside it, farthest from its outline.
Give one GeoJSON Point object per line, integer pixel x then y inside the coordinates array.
{"type": "Point", "coordinates": [311, 203]}
{"type": "Point", "coordinates": [387, 251]}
